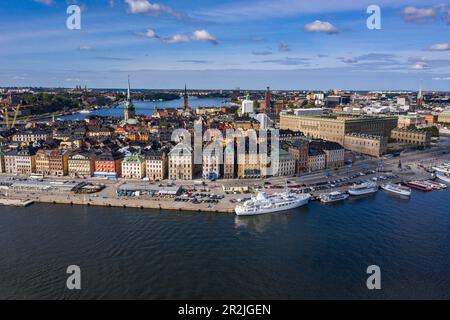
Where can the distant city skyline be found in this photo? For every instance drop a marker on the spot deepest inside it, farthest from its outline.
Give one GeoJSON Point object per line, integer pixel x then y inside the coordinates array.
{"type": "Point", "coordinates": [284, 44]}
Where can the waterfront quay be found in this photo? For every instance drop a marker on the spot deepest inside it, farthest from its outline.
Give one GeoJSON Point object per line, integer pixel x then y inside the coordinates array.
{"type": "Point", "coordinates": [212, 197]}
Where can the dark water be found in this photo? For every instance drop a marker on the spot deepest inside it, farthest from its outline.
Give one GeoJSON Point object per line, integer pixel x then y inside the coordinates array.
{"type": "Point", "coordinates": [146, 107]}
{"type": "Point", "coordinates": [312, 252]}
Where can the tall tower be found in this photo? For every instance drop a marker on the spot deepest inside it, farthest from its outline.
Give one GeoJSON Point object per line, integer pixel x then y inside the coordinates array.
{"type": "Point", "coordinates": [268, 100]}
{"type": "Point", "coordinates": [129, 110]}
{"type": "Point", "coordinates": [186, 98]}
{"type": "Point", "coordinates": [420, 97]}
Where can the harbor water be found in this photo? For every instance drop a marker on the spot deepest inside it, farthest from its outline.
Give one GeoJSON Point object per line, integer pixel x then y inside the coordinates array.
{"type": "Point", "coordinates": [316, 251]}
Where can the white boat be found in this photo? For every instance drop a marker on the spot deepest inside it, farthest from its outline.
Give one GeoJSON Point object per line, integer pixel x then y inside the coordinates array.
{"type": "Point", "coordinates": [264, 203]}
{"type": "Point", "coordinates": [397, 189]}
{"type": "Point", "coordinates": [363, 188]}
{"type": "Point", "coordinates": [443, 168]}
{"type": "Point", "coordinates": [333, 197]}
{"type": "Point", "coordinates": [85, 111]}
{"type": "Point", "coordinates": [443, 176]}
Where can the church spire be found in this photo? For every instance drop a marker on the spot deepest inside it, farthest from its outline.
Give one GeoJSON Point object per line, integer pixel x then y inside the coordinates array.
{"type": "Point", "coordinates": [186, 98]}
{"type": "Point", "coordinates": [129, 89]}
{"type": "Point", "coordinates": [129, 110]}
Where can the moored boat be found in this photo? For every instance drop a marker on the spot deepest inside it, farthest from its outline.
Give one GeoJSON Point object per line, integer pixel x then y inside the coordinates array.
{"type": "Point", "coordinates": [443, 176]}
{"type": "Point", "coordinates": [419, 185]}
{"type": "Point", "coordinates": [397, 189]}
{"type": "Point", "coordinates": [436, 185]}
{"type": "Point", "coordinates": [363, 188]}
{"type": "Point", "coordinates": [263, 203]}
{"type": "Point", "coordinates": [333, 197]}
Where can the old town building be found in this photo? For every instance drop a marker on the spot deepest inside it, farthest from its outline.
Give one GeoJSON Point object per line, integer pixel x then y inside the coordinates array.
{"type": "Point", "coordinates": [82, 164]}
{"type": "Point", "coordinates": [133, 167]}
{"type": "Point", "coordinates": [108, 165]}
{"type": "Point", "coordinates": [181, 163]}
{"type": "Point", "coordinates": [415, 137]}
{"type": "Point", "coordinates": [299, 150]}
{"type": "Point", "coordinates": [20, 161]}
{"type": "Point", "coordinates": [371, 145]}
{"type": "Point", "coordinates": [156, 163]}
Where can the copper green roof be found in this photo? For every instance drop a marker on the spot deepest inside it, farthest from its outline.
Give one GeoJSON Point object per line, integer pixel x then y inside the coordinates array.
{"type": "Point", "coordinates": [134, 158]}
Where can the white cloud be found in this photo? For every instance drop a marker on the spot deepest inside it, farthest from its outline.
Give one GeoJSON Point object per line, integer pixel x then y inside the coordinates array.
{"type": "Point", "coordinates": [418, 15]}
{"type": "Point", "coordinates": [439, 47]}
{"type": "Point", "coordinates": [441, 78]}
{"type": "Point", "coordinates": [419, 65]}
{"type": "Point", "coordinates": [151, 34]}
{"type": "Point", "coordinates": [203, 35]}
{"type": "Point", "coordinates": [86, 48]}
{"type": "Point", "coordinates": [197, 35]}
{"type": "Point", "coordinates": [176, 38]}
{"type": "Point", "coordinates": [320, 26]}
{"type": "Point", "coordinates": [145, 7]}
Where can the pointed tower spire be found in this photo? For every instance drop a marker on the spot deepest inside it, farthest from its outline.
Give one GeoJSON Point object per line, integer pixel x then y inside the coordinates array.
{"type": "Point", "coordinates": [129, 88]}
{"type": "Point", "coordinates": [186, 98]}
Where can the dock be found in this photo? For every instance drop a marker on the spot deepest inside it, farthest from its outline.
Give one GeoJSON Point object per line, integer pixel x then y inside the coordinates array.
{"type": "Point", "coordinates": [16, 202]}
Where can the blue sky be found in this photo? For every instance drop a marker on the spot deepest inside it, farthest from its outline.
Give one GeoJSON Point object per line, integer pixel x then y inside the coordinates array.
{"type": "Point", "coordinates": [287, 44]}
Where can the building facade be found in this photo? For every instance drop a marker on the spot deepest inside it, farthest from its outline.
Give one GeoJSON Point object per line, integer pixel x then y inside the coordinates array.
{"type": "Point", "coordinates": [156, 165]}
{"type": "Point", "coordinates": [336, 127]}
{"type": "Point", "coordinates": [212, 164]}
{"type": "Point", "coordinates": [284, 165]}
{"type": "Point", "coordinates": [181, 163]}
{"type": "Point", "coordinates": [81, 164]}
{"type": "Point", "coordinates": [20, 162]}
{"type": "Point", "coordinates": [316, 160]}
{"type": "Point", "coordinates": [405, 121]}
{"type": "Point", "coordinates": [30, 136]}
{"type": "Point", "coordinates": [444, 117]}
{"type": "Point", "coordinates": [374, 146]}
{"type": "Point", "coordinates": [59, 162]}
{"type": "Point", "coordinates": [42, 162]}
{"type": "Point", "coordinates": [230, 161]}
{"type": "Point", "coordinates": [2, 161]}
{"type": "Point", "coordinates": [108, 165]}
{"type": "Point", "coordinates": [299, 150]}
{"type": "Point", "coordinates": [334, 153]}
{"type": "Point", "coordinates": [133, 167]}
{"type": "Point", "coordinates": [415, 137]}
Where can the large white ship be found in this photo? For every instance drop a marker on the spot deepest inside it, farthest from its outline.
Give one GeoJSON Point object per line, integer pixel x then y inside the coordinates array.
{"type": "Point", "coordinates": [397, 189]}
{"type": "Point", "coordinates": [363, 188]}
{"type": "Point", "coordinates": [264, 203]}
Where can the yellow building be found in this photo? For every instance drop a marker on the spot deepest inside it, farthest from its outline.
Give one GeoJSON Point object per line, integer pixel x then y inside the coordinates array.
{"type": "Point", "coordinates": [81, 164]}
{"type": "Point", "coordinates": [371, 145]}
{"type": "Point", "coordinates": [335, 127]}
{"type": "Point", "coordinates": [133, 167]}
{"type": "Point", "coordinates": [444, 117]}
{"type": "Point", "coordinates": [416, 137]}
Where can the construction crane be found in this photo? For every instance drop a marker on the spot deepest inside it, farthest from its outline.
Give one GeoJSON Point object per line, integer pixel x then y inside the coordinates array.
{"type": "Point", "coordinates": [6, 116]}
{"type": "Point", "coordinates": [16, 112]}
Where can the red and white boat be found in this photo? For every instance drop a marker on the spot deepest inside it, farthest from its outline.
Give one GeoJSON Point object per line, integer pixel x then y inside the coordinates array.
{"type": "Point", "coordinates": [436, 185]}
{"type": "Point", "coordinates": [419, 185]}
